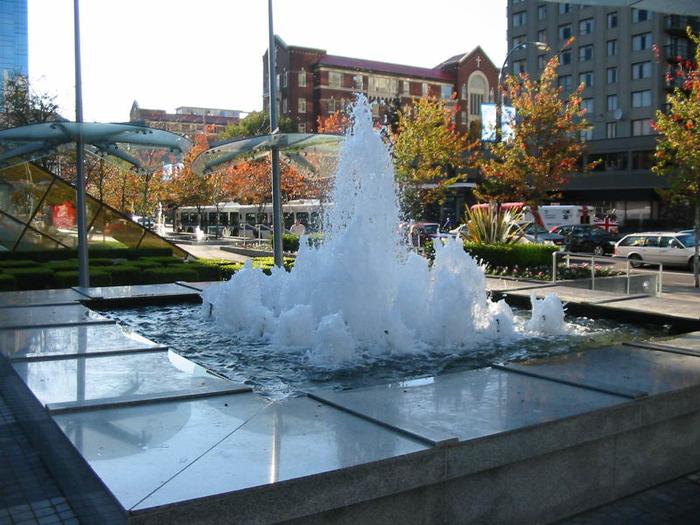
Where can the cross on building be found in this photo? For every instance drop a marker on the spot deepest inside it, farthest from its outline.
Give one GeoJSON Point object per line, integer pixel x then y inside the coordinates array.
{"type": "Point", "coordinates": [478, 61]}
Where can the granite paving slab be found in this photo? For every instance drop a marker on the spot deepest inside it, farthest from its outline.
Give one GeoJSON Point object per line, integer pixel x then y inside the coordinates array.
{"type": "Point", "coordinates": [636, 369]}
{"type": "Point", "coordinates": [665, 306]}
{"type": "Point", "coordinates": [65, 341]}
{"type": "Point", "coordinates": [44, 316]}
{"type": "Point", "coordinates": [199, 286]}
{"type": "Point", "coordinates": [290, 439]}
{"type": "Point", "coordinates": [468, 405]}
{"type": "Point", "coordinates": [568, 293]}
{"type": "Point", "coordinates": [40, 297]}
{"type": "Point", "coordinates": [136, 449]}
{"type": "Point", "coordinates": [689, 341]}
{"type": "Point", "coordinates": [141, 290]}
{"type": "Point", "coordinates": [78, 382]}
{"type": "Point", "coordinates": [495, 284]}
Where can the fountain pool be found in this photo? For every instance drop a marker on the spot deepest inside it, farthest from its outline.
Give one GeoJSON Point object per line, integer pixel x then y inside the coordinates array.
{"type": "Point", "coordinates": [279, 373]}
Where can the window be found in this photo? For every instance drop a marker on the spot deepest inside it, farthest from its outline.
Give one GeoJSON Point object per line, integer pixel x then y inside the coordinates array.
{"type": "Point", "coordinates": [641, 42]}
{"type": "Point", "coordinates": [587, 104]}
{"type": "Point", "coordinates": [641, 99]}
{"type": "Point", "coordinates": [585, 53]}
{"type": "Point", "coordinates": [585, 27]}
{"type": "Point", "coordinates": [541, 61]}
{"type": "Point", "coordinates": [639, 15]}
{"type": "Point", "coordinates": [612, 20]}
{"type": "Point", "coordinates": [284, 79]}
{"type": "Point", "coordinates": [586, 78]}
{"type": "Point", "coordinates": [612, 75]}
{"type": "Point", "coordinates": [565, 57]}
{"type": "Point", "coordinates": [301, 127]}
{"type": "Point", "coordinates": [542, 35]}
{"type": "Point", "coordinates": [564, 82]}
{"type": "Point", "coordinates": [641, 70]}
{"type": "Point", "coordinates": [464, 118]}
{"type": "Point", "coordinates": [612, 102]}
{"type": "Point", "coordinates": [612, 48]}
{"type": "Point", "coordinates": [335, 79]}
{"type": "Point", "coordinates": [301, 104]}
{"type": "Point", "coordinates": [611, 130]}
{"type": "Point", "coordinates": [406, 87]}
{"type": "Point", "coordinates": [641, 127]}
{"type": "Point", "coordinates": [475, 101]}
{"type": "Point", "coordinates": [519, 19]}
{"type": "Point", "coordinates": [642, 160]}
{"type": "Point", "coordinates": [357, 82]}
{"type": "Point", "coordinates": [424, 89]}
{"type": "Point", "coordinates": [301, 78]}
{"type": "Point", "coordinates": [519, 66]}
{"type": "Point", "coordinates": [565, 32]}
{"type": "Point", "coordinates": [542, 13]}
{"type": "Point", "coordinates": [586, 134]}
{"type": "Point", "coordinates": [446, 92]}
{"type": "Point", "coordinates": [331, 105]}
{"type": "Point", "coordinates": [284, 105]}
{"type": "Point", "coordinates": [564, 8]}
{"type": "Point", "coordinates": [463, 92]}
{"type": "Point", "coordinates": [517, 40]}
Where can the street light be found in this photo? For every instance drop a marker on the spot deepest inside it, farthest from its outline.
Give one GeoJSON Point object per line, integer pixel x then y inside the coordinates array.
{"type": "Point", "coordinates": [542, 46]}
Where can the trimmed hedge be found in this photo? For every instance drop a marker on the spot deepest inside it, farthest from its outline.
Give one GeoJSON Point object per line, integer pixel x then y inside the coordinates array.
{"type": "Point", "coordinates": [146, 264]}
{"type": "Point", "coordinates": [164, 260]}
{"type": "Point", "coordinates": [36, 278]}
{"type": "Point", "coordinates": [123, 274]}
{"type": "Point", "coordinates": [63, 266]}
{"type": "Point", "coordinates": [71, 253]}
{"type": "Point", "coordinates": [70, 278]}
{"type": "Point", "coordinates": [169, 274]}
{"type": "Point", "coordinates": [18, 263]}
{"type": "Point", "coordinates": [523, 255]}
{"type": "Point", "coordinates": [8, 282]}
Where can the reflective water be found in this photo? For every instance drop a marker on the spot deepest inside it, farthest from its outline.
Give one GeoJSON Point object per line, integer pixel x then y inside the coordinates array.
{"type": "Point", "coordinates": [279, 373]}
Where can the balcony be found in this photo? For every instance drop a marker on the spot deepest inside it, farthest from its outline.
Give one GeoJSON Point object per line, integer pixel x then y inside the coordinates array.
{"type": "Point", "coordinates": [677, 24]}
{"type": "Point", "coordinates": [679, 51]}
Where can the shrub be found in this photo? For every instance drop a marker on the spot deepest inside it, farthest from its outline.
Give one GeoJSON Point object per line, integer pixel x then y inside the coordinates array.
{"type": "Point", "coordinates": [63, 266]}
{"type": "Point", "coordinates": [7, 282]}
{"type": "Point", "coordinates": [18, 263]}
{"type": "Point", "coordinates": [101, 261]}
{"type": "Point", "coordinates": [163, 259]}
{"type": "Point", "coordinates": [145, 264]}
{"type": "Point", "coordinates": [124, 274]}
{"type": "Point", "coordinates": [492, 224]}
{"type": "Point", "coordinates": [136, 253]}
{"type": "Point", "coordinates": [290, 242]}
{"type": "Point", "coordinates": [70, 278]}
{"type": "Point", "coordinates": [169, 274]}
{"type": "Point", "coordinates": [523, 255]}
{"type": "Point", "coordinates": [33, 278]}
{"type": "Point", "coordinates": [205, 272]}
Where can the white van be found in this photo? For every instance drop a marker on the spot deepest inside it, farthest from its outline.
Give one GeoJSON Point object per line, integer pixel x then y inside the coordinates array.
{"type": "Point", "coordinates": [551, 215]}
{"type": "Point", "coordinates": [673, 249]}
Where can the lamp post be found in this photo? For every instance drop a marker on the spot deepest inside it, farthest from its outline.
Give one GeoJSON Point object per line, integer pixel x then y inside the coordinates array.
{"type": "Point", "coordinates": [275, 150]}
{"type": "Point", "coordinates": [83, 268]}
{"type": "Point", "coordinates": [542, 46]}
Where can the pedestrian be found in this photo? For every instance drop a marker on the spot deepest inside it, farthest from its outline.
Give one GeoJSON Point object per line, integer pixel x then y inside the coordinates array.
{"type": "Point", "coordinates": [298, 228]}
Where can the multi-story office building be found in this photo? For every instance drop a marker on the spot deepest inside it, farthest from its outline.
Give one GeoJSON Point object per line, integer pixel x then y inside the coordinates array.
{"type": "Point", "coordinates": [313, 84]}
{"type": "Point", "coordinates": [13, 39]}
{"type": "Point", "coordinates": [186, 120]}
{"type": "Point", "coordinates": [622, 56]}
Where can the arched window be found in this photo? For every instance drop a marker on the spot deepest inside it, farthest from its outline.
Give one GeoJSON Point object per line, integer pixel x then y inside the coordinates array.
{"type": "Point", "coordinates": [478, 87]}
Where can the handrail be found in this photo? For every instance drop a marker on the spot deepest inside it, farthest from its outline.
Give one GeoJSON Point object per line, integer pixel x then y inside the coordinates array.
{"type": "Point", "coordinates": [593, 258]}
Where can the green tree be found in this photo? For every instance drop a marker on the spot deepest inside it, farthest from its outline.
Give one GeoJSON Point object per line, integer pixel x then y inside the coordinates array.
{"type": "Point", "coordinates": [257, 123]}
{"type": "Point", "coordinates": [545, 148]}
{"type": "Point", "coordinates": [429, 154]}
{"type": "Point", "coordinates": [21, 105]}
{"type": "Point", "coordinates": [678, 146]}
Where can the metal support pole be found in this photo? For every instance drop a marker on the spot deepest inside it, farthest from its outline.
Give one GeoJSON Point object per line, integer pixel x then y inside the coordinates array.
{"type": "Point", "coordinates": [83, 265]}
{"type": "Point", "coordinates": [592, 272]}
{"type": "Point", "coordinates": [554, 267]}
{"type": "Point", "coordinates": [276, 182]}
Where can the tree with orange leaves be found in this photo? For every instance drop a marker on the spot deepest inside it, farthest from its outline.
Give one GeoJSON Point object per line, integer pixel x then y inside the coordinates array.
{"type": "Point", "coordinates": [545, 147]}
{"type": "Point", "coordinates": [335, 124]}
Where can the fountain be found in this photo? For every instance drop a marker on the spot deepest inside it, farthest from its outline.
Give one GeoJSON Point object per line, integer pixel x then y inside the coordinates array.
{"type": "Point", "coordinates": [363, 291]}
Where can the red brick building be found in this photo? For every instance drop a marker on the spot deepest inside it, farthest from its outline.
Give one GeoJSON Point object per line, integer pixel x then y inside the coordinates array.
{"type": "Point", "coordinates": [186, 120]}
{"type": "Point", "coordinates": [312, 84]}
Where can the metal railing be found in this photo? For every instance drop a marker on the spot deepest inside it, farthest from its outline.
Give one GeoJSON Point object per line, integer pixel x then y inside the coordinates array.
{"type": "Point", "coordinates": [593, 258]}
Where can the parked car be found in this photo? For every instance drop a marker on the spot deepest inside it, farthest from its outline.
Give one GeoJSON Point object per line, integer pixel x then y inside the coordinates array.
{"type": "Point", "coordinates": [419, 232]}
{"type": "Point", "coordinates": [539, 234]}
{"type": "Point", "coordinates": [673, 249]}
{"type": "Point", "coordinates": [587, 238]}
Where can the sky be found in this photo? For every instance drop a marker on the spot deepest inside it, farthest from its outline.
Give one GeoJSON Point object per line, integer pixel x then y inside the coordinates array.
{"type": "Point", "coordinates": [208, 53]}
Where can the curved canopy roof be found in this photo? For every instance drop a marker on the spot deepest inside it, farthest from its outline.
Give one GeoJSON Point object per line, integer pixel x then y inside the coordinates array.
{"type": "Point", "coordinates": [291, 144]}
{"type": "Point", "coordinates": [39, 138]}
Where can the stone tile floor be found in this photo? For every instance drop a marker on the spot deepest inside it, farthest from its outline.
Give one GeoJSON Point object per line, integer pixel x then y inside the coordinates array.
{"type": "Point", "coordinates": [28, 493]}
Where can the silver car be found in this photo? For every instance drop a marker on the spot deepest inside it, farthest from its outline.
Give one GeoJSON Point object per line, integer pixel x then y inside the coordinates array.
{"type": "Point", "coordinates": [673, 249]}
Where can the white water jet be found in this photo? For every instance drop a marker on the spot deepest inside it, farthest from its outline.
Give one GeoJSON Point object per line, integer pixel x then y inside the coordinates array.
{"type": "Point", "coordinates": [547, 315]}
{"type": "Point", "coordinates": [362, 291]}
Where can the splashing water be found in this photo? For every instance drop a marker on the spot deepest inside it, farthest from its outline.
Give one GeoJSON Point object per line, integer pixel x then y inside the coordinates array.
{"type": "Point", "coordinates": [362, 291]}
